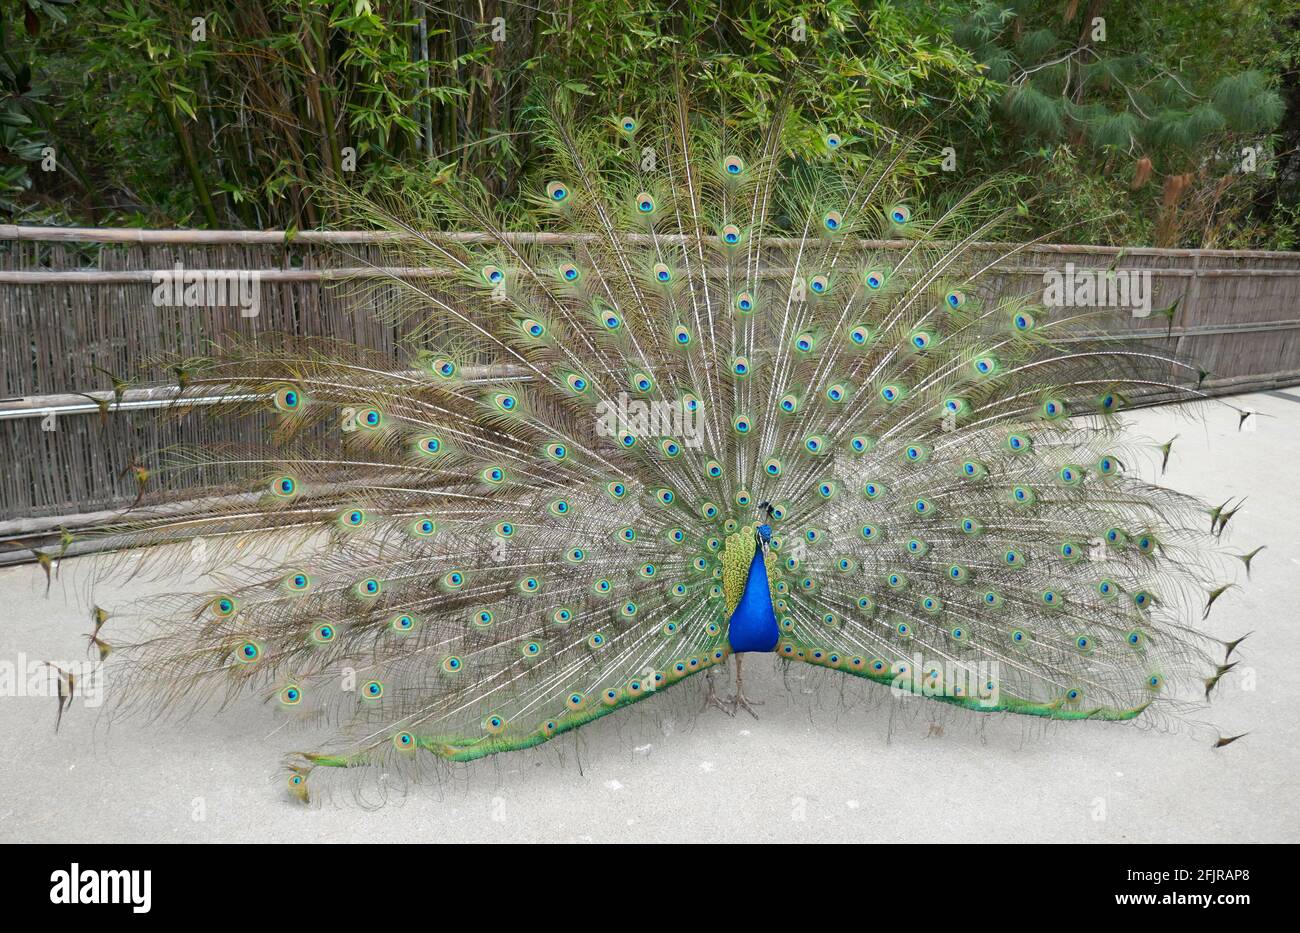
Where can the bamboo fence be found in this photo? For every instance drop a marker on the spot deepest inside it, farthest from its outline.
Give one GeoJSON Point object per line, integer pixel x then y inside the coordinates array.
{"type": "Point", "coordinates": [75, 304]}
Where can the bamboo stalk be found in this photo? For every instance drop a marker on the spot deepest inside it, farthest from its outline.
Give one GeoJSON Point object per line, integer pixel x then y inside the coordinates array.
{"type": "Point", "coordinates": [341, 237]}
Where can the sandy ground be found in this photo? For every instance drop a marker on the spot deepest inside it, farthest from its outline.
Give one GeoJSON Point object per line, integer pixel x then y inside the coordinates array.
{"type": "Point", "coordinates": [829, 760]}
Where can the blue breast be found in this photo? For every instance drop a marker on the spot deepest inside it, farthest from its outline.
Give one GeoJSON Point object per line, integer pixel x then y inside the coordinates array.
{"type": "Point", "coordinates": [753, 624]}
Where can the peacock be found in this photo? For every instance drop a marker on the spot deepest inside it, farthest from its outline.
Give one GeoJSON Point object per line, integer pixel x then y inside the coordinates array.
{"type": "Point", "coordinates": [715, 392]}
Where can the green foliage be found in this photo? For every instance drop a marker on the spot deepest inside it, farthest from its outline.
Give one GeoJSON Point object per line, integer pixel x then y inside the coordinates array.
{"type": "Point", "coordinates": [279, 100]}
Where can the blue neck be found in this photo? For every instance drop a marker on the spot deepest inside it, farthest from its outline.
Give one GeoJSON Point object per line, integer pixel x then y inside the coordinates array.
{"type": "Point", "coordinates": [752, 626]}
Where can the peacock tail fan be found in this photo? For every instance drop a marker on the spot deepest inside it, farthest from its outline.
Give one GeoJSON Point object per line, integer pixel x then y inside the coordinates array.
{"type": "Point", "coordinates": [543, 510]}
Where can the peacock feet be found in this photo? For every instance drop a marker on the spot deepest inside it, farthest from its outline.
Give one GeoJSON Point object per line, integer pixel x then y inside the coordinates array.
{"type": "Point", "coordinates": [740, 701]}
{"type": "Point", "coordinates": [711, 699]}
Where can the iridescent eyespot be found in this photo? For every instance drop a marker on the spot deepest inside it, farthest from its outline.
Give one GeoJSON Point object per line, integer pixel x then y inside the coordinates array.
{"type": "Point", "coordinates": [285, 486]}
{"type": "Point", "coordinates": [832, 141]}
{"type": "Point", "coordinates": [353, 518]}
{"type": "Point", "coordinates": [297, 581]}
{"type": "Point", "coordinates": [744, 302]}
{"type": "Point", "coordinates": [505, 401]}
{"type": "Point", "coordinates": [733, 165]}
{"type": "Point", "coordinates": [954, 299]}
{"type": "Point", "coordinates": [493, 476]}
{"type": "Point", "coordinates": [1022, 495]}
{"type": "Point", "coordinates": [596, 640]}
{"type": "Point", "coordinates": [492, 275]}
{"type": "Point", "coordinates": [576, 382]}
{"type": "Point", "coordinates": [402, 624]}
{"type": "Point", "coordinates": [662, 273]}
{"type": "Point", "coordinates": [452, 665]}
{"type": "Point", "coordinates": [740, 366]}
{"type": "Point", "coordinates": [1022, 321]}
{"type": "Point", "coordinates": [557, 191]}
{"type": "Point", "coordinates": [531, 649]}
{"type": "Point", "coordinates": [616, 490]}
{"type": "Point", "coordinates": [494, 724]}
{"type": "Point", "coordinates": [900, 214]}
{"type": "Point", "coordinates": [442, 368]}
{"type": "Point", "coordinates": [291, 695]}
{"type": "Point", "coordinates": [730, 234]}
{"type": "Point", "coordinates": [557, 451]}
{"type": "Point", "coordinates": [454, 580]}
{"type": "Point", "coordinates": [371, 418]}
{"type": "Point", "coordinates": [534, 329]}
{"type": "Point", "coordinates": [249, 652]}
{"type": "Point", "coordinates": [1053, 408]}
{"type": "Point", "coordinates": [642, 382]}
{"type": "Point", "coordinates": [875, 279]}
{"type": "Point", "coordinates": [529, 585]}
{"type": "Point", "coordinates": [740, 424]}
{"type": "Point", "coordinates": [288, 398]}
{"type": "Point", "coordinates": [569, 272]}
{"type": "Point", "coordinates": [645, 204]}
{"type": "Point", "coordinates": [323, 633]}
{"type": "Point", "coordinates": [369, 587]}
{"type": "Point", "coordinates": [404, 741]}
{"type": "Point", "coordinates": [819, 284]}
{"type": "Point", "coordinates": [224, 606]}
{"type": "Point", "coordinates": [626, 124]}
{"type": "Point", "coordinates": [832, 221]}
{"type": "Point", "coordinates": [429, 446]}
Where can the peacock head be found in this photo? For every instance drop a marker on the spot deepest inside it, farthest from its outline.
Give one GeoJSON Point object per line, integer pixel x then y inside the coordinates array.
{"type": "Point", "coordinates": [764, 533]}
